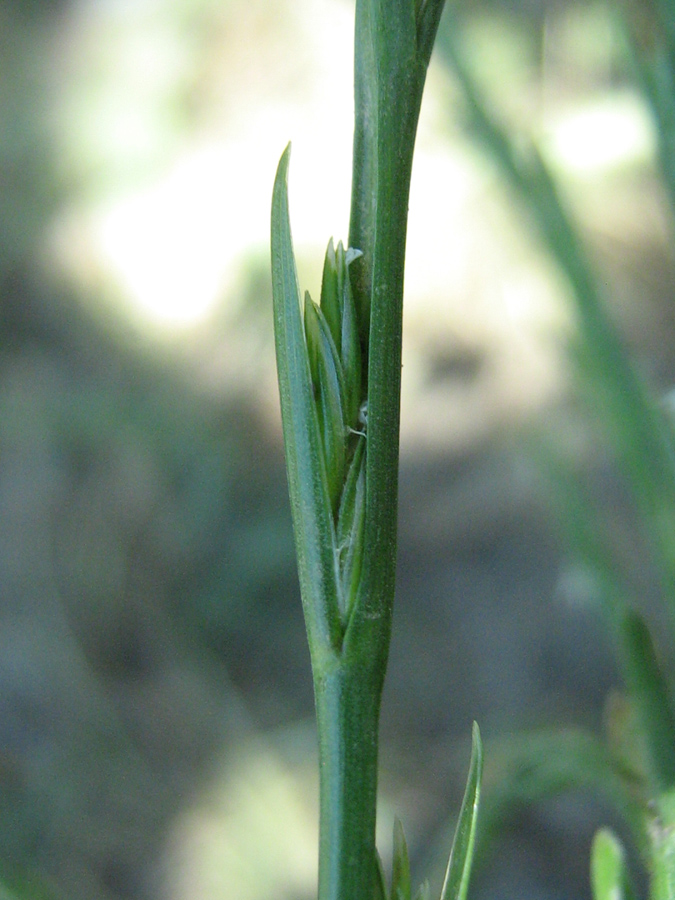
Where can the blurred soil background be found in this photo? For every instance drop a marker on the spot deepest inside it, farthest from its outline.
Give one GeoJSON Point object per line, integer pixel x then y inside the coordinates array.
{"type": "Point", "coordinates": [156, 718]}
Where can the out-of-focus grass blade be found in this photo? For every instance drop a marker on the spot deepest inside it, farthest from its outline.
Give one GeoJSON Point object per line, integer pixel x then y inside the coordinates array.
{"type": "Point", "coordinates": [456, 882]}
{"type": "Point", "coordinates": [307, 481]}
{"type": "Point", "coordinates": [534, 766]}
{"type": "Point", "coordinates": [651, 696]}
{"type": "Point", "coordinates": [652, 39]}
{"type": "Point", "coordinates": [609, 876]}
{"type": "Point", "coordinates": [643, 438]}
{"type": "Point", "coordinates": [423, 891]}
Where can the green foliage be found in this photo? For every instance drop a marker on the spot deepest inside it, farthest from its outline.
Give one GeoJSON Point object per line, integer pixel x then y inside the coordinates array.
{"type": "Point", "coordinates": [305, 457]}
{"type": "Point", "coordinates": [652, 40]}
{"type": "Point", "coordinates": [456, 882]}
{"type": "Point", "coordinates": [650, 694]}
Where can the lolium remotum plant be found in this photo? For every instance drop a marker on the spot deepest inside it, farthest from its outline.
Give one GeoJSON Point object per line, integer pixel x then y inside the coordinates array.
{"type": "Point", "coordinates": [339, 368]}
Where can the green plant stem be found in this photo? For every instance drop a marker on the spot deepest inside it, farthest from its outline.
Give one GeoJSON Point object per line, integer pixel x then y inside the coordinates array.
{"type": "Point", "coordinates": [393, 41]}
{"type": "Point", "coordinates": [349, 635]}
{"type": "Point", "coordinates": [393, 45]}
{"type": "Point", "coordinates": [347, 715]}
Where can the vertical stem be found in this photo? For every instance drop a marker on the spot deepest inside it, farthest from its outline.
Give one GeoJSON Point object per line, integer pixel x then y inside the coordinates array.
{"type": "Point", "coordinates": [347, 714]}
{"type": "Point", "coordinates": [363, 211]}
{"type": "Point", "coordinates": [392, 49]}
{"type": "Point", "coordinates": [393, 42]}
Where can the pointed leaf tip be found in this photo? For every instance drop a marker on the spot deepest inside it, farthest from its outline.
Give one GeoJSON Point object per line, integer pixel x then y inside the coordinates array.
{"type": "Point", "coordinates": [458, 872]}
{"type": "Point", "coordinates": [308, 489]}
{"type": "Point", "coordinates": [281, 179]}
{"type": "Point", "coordinates": [400, 877]}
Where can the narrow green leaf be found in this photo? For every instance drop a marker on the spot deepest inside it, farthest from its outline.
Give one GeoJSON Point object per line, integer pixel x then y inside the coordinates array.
{"type": "Point", "coordinates": [330, 294]}
{"type": "Point", "coordinates": [351, 518]}
{"type": "Point", "coordinates": [307, 482]}
{"type": "Point", "coordinates": [457, 876]}
{"type": "Point", "coordinates": [328, 384]}
{"type": "Point", "coordinates": [400, 876]}
{"type": "Point", "coordinates": [350, 495]}
{"type": "Point", "coordinates": [350, 343]}
{"type": "Point", "coordinates": [313, 342]}
{"type": "Point", "coordinates": [609, 876]}
{"type": "Point", "coordinates": [338, 308]}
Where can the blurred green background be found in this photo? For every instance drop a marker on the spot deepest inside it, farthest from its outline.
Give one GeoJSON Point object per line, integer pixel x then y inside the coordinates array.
{"type": "Point", "coordinates": [156, 718]}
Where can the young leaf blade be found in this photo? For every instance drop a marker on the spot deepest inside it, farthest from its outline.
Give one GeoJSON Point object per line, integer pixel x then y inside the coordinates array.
{"type": "Point", "coordinates": [307, 483]}
{"type": "Point", "coordinates": [350, 346]}
{"type": "Point", "coordinates": [328, 389]}
{"type": "Point", "coordinates": [330, 294]}
{"type": "Point", "coordinates": [400, 876]}
{"type": "Point", "coordinates": [457, 876]}
{"type": "Point", "coordinates": [350, 523]}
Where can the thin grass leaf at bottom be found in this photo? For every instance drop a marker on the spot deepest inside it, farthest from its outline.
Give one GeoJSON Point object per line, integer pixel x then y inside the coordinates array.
{"type": "Point", "coordinates": [457, 876]}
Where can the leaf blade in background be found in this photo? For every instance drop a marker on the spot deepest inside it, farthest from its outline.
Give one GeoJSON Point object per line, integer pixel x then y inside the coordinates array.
{"type": "Point", "coordinates": [650, 693]}
{"type": "Point", "coordinates": [535, 766]}
{"type": "Point", "coordinates": [642, 436]}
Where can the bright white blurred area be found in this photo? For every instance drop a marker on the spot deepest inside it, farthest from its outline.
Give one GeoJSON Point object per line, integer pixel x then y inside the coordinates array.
{"type": "Point", "coordinates": [184, 109]}
{"type": "Point", "coordinates": [602, 134]}
{"type": "Point", "coordinates": [175, 113]}
{"type": "Point", "coordinates": [251, 835]}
